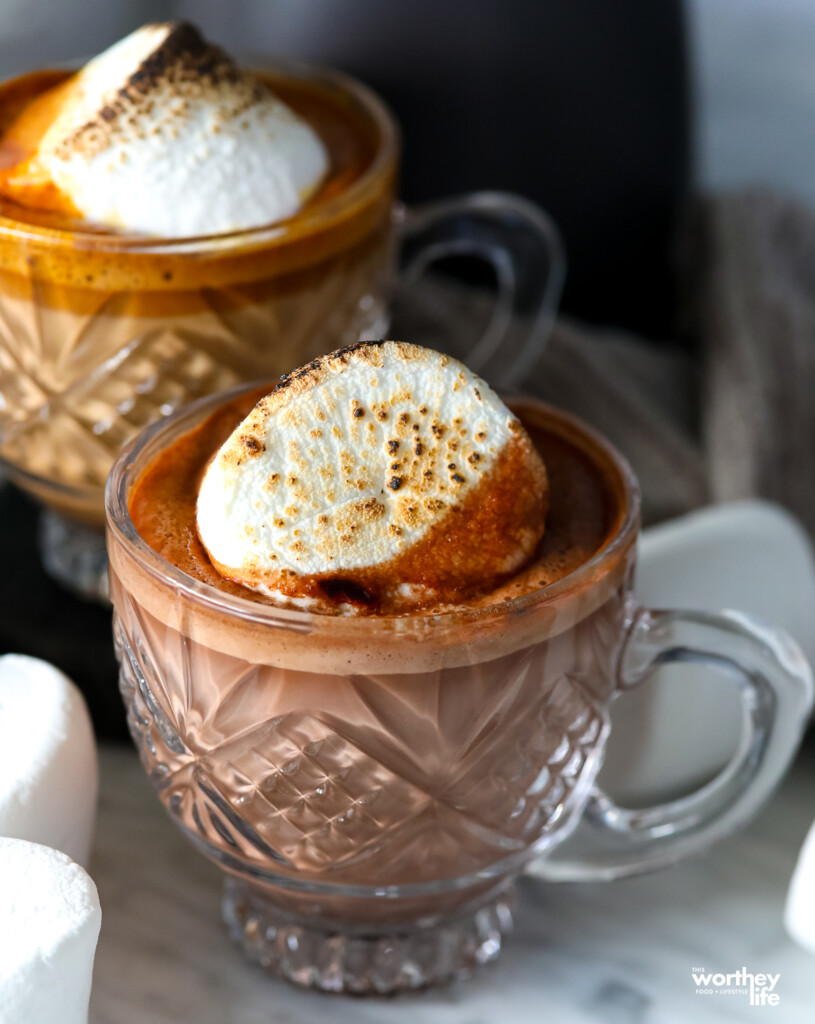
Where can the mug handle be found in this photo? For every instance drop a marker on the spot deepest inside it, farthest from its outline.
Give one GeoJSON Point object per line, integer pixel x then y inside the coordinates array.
{"type": "Point", "coordinates": [523, 246]}
{"type": "Point", "coordinates": [776, 692]}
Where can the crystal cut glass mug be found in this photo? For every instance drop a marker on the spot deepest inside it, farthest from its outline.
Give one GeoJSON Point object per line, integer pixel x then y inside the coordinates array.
{"type": "Point", "coordinates": [100, 334]}
{"type": "Point", "coordinates": [372, 786]}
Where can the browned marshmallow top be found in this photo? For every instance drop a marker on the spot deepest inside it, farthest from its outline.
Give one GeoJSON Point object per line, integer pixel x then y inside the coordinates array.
{"type": "Point", "coordinates": [163, 134]}
{"type": "Point", "coordinates": [385, 477]}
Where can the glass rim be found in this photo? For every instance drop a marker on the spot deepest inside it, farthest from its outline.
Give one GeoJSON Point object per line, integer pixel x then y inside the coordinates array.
{"type": "Point", "coordinates": [307, 221]}
{"type": "Point", "coordinates": [119, 522]}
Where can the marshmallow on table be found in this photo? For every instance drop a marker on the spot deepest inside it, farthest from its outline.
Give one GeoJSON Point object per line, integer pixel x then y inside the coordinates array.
{"type": "Point", "coordinates": [799, 914]}
{"type": "Point", "coordinates": [165, 135]}
{"type": "Point", "coordinates": [49, 925]}
{"type": "Point", "coordinates": [48, 769]}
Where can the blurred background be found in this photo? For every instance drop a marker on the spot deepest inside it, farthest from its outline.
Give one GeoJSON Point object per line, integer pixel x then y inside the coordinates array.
{"type": "Point", "coordinates": [604, 113]}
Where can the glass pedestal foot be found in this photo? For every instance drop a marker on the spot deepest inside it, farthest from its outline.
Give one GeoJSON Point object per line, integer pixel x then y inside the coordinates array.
{"type": "Point", "coordinates": [362, 960]}
{"type": "Point", "coordinates": [75, 556]}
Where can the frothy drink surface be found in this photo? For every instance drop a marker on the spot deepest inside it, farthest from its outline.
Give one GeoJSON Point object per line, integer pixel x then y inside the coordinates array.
{"type": "Point", "coordinates": [582, 510]}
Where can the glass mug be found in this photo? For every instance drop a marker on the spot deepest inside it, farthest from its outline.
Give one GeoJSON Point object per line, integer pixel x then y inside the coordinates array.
{"type": "Point", "coordinates": [101, 334]}
{"type": "Point", "coordinates": [372, 786]}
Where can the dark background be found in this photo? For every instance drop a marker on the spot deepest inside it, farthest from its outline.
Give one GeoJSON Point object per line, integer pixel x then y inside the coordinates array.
{"type": "Point", "coordinates": [581, 105]}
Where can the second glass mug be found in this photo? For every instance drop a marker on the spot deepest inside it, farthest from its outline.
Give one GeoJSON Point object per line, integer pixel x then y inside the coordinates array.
{"type": "Point", "coordinates": [372, 786]}
{"type": "Point", "coordinates": [101, 334]}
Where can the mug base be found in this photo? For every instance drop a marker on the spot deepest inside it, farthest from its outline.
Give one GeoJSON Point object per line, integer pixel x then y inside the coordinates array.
{"type": "Point", "coordinates": [75, 556]}
{"type": "Point", "coordinates": [359, 960]}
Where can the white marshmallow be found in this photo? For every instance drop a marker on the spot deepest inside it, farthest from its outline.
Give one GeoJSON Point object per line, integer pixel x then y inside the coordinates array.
{"type": "Point", "coordinates": [48, 769]}
{"type": "Point", "coordinates": [354, 459]}
{"type": "Point", "coordinates": [49, 924]}
{"type": "Point", "coordinates": [799, 913]}
{"type": "Point", "coordinates": [162, 134]}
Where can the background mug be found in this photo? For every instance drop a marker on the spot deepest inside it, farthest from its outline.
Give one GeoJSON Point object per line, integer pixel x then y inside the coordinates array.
{"type": "Point", "coordinates": [371, 785]}
{"type": "Point", "coordinates": [103, 333]}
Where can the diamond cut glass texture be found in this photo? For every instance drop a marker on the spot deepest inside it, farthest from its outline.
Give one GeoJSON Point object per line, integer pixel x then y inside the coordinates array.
{"type": "Point", "coordinates": [366, 779]}
{"type": "Point", "coordinates": [83, 370]}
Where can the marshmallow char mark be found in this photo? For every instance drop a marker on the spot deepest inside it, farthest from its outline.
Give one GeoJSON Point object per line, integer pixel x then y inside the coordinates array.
{"type": "Point", "coordinates": [383, 477]}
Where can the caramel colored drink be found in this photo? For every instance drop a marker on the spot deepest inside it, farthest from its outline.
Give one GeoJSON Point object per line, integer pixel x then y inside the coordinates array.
{"type": "Point", "coordinates": [104, 332]}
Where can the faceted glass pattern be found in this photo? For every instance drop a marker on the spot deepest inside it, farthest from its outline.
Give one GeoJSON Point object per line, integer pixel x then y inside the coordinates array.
{"type": "Point", "coordinates": [82, 371]}
{"type": "Point", "coordinates": [366, 780]}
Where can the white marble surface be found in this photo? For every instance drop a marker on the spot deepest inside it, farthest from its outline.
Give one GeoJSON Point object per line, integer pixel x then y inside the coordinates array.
{"type": "Point", "coordinates": [617, 954]}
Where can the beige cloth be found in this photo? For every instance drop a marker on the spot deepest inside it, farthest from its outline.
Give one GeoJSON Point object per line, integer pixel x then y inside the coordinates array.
{"type": "Point", "coordinates": [731, 415]}
{"type": "Point", "coordinates": [641, 396]}
{"type": "Point", "coordinates": [758, 330]}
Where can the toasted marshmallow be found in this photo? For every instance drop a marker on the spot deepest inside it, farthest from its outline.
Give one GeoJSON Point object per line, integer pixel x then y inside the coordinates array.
{"type": "Point", "coordinates": [163, 134]}
{"type": "Point", "coordinates": [383, 477]}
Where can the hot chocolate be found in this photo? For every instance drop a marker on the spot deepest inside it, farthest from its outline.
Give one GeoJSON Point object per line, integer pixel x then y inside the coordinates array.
{"type": "Point", "coordinates": [363, 748]}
